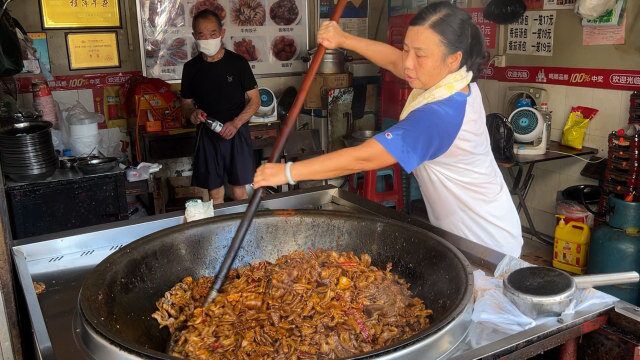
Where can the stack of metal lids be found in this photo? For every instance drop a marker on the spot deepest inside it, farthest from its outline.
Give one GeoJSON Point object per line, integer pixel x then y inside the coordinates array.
{"type": "Point", "coordinates": [26, 151]}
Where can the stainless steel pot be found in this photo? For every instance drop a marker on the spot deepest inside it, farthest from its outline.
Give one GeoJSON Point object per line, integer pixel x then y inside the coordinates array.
{"type": "Point", "coordinates": [118, 295]}
{"type": "Point", "coordinates": [358, 137]}
{"type": "Point", "coordinates": [540, 291]}
{"type": "Point", "coordinates": [333, 62]}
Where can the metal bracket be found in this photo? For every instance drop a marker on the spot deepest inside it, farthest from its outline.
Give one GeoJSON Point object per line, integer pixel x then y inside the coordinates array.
{"type": "Point", "coordinates": [629, 310]}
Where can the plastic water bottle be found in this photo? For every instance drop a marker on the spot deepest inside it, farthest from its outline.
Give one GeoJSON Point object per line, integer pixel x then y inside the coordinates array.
{"type": "Point", "coordinates": [546, 115]}
{"type": "Point", "coordinates": [213, 124]}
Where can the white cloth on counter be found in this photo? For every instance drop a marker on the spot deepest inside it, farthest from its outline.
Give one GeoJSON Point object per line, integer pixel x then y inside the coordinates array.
{"type": "Point", "coordinates": [494, 315]}
{"type": "Point", "coordinates": [196, 209]}
{"type": "Point", "coordinates": [111, 142]}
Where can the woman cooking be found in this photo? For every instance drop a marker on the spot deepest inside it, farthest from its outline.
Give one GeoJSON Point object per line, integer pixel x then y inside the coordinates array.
{"type": "Point", "coordinates": [441, 138]}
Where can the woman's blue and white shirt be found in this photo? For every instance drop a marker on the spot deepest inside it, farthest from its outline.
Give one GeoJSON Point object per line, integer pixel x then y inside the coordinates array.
{"type": "Point", "coordinates": [445, 144]}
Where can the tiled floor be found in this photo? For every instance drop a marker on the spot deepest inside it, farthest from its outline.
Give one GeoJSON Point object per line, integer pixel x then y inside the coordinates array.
{"type": "Point", "coordinates": [536, 252]}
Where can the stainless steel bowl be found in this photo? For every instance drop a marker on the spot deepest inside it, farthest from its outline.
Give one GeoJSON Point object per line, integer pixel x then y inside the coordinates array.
{"type": "Point", "coordinates": [358, 137]}
{"type": "Point", "coordinates": [363, 134]}
{"type": "Point", "coordinates": [97, 166]}
{"type": "Point", "coordinates": [68, 162]}
{"type": "Point", "coordinates": [540, 291]}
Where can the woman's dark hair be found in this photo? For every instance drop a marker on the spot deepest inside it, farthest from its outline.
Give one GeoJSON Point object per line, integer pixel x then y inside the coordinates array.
{"type": "Point", "coordinates": [457, 31]}
{"type": "Point", "coordinates": [206, 14]}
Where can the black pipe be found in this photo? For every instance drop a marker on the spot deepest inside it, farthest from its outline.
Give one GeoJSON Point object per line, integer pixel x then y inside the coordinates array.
{"type": "Point", "coordinates": [289, 122]}
{"type": "Point", "coordinates": [237, 241]}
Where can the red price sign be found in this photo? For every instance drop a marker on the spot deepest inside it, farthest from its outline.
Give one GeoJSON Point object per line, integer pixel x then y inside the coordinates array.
{"type": "Point", "coordinates": [489, 29]}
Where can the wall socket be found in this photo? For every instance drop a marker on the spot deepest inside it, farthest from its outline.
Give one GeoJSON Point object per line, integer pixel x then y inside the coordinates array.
{"type": "Point", "coordinates": [500, 60]}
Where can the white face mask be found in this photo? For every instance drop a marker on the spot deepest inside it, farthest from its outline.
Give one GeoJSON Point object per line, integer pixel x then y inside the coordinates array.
{"type": "Point", "coordinates": [210, 46]}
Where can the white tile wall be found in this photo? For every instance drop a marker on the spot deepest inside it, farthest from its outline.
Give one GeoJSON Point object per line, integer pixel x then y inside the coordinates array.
{"type": "Point", "coordinates": [551, 177]}
{"type": "Point", "coordinates": [64, 99]}
{"type": "Point", "coordinates": [278, 84]}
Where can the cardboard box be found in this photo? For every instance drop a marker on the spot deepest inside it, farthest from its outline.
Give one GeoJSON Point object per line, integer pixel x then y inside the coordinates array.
{"type": "Point", "coordinates": [180, 188]}
{"type": "Point", "coordinates": [117, 123]}
{"type": "Point", "coordinates": [317, 95]}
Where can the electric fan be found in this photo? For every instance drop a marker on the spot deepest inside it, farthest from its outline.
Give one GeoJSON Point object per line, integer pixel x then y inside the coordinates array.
{"type": "Point", "coordinates": [530, 130]}
{"type": "Point", "coordinates": [267, 112]}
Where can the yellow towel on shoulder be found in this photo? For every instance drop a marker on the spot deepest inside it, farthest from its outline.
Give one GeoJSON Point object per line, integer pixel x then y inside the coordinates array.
{"type": "Point", "coordinates": [448, 86]}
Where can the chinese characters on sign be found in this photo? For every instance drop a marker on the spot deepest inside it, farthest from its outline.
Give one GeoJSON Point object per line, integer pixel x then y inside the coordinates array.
{"type": "Point", "coordinates": [489, 29]}
{"type": "Point", "coordinates": [604, 35]}
{"type": "Point", "coordinates": [78, 82]}
{"type": "Point", "coordinates": [93, 50]}
{"type": "Point", "coordinates": [354, 18]}
{"type": "Point", "coordinates": [66, 14]}
{"type": "Point", "coordinates": [532, 34]}
{"type": "Point", "coordinates": [580, 77]}
{"type": "Point", "coordinates": [533, 4]}
{"type": "Point", "coordinates": [559, 4]}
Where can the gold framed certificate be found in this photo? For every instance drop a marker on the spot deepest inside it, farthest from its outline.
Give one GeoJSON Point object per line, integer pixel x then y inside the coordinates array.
{"type": "Point", "coordinates": [93, 50]}
{"type": "Point", "coordinates": [76, 14]}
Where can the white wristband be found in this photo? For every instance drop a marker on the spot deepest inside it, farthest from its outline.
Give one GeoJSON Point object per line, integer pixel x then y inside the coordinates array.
{"type": "Point", "coordinates": [287, 173]}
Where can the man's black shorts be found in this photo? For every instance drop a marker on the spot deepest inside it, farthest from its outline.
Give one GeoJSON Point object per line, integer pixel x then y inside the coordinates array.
{"type": "Point", "coordinates": [217, 159]}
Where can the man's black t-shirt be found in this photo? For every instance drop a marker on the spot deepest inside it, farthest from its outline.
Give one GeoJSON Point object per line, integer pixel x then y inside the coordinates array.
{"type": "Point", "coordinates": [218, 88]}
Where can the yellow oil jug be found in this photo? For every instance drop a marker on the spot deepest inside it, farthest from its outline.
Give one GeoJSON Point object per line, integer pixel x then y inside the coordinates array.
{"type": "Point", "coordinates": [571, 246]}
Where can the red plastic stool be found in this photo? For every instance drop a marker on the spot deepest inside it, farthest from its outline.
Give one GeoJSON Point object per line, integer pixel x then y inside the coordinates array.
{"type": "Point", "coordinates": [368, 188]}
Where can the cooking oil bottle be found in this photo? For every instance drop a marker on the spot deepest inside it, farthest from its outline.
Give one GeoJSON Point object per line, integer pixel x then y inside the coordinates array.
{"type": "Point", "coordinates": [571, 246]}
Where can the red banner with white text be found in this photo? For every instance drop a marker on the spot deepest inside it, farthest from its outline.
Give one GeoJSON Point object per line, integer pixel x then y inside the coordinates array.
{"type": "Point", "coordinates": [78, 82]}
{"type": "Point", "coordinates": [581, 77]}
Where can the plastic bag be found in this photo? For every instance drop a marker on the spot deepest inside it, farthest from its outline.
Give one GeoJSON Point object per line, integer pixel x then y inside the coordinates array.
{"type": "Point", "coordinates": [494, 309]}
{"type": "Point", "coordinates": [501, 137]}
{"type": "Point", "coordinates": [576, 126]}
{"type": "Point", "coordinates": [504, 11]}
{"type": "Point", "coordinates": [77, 114]}
{"type": "Point", "coordinates": [10, 51]}
{"type": "Point", "coordinates": [495, 317]}
{"type": "Point", "coordinates": [573, 211]}
{"type": "Point", "coordinates": [80, 129]}
{"type": "Point", "coordinates": [591, 9]}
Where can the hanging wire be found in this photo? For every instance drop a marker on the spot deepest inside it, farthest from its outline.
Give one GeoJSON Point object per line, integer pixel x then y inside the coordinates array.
{"type": "Point", "coordinates": [4, 6]}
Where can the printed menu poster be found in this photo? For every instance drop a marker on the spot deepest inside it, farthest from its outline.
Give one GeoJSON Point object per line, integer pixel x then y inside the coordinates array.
{"type": "Point", "coordinates": [38, 62]}
{"type": "Point", "coordinates": [559, 4]}
{"type": "Point", "coordinates": [354, 18]}
{"type": "Point", "coordinates": [532, 34]}
{"type": "Point", "coordinates": [270, 34]}
{"type": "Point", "coordinates": [604, 35]}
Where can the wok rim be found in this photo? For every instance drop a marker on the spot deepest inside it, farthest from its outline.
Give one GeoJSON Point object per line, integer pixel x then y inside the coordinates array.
{"type": "Point", "coordinates": [466, 299]}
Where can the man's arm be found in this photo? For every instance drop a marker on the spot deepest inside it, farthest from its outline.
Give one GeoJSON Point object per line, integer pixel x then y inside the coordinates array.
{"type": "Point", "coordinates": [253, 103]}
{"type": "Point", "coordinates": [190, 112]}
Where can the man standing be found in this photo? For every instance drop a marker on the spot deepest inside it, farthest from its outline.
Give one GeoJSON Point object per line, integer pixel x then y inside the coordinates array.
{"type": "Point", "coordinates": [219, 84]}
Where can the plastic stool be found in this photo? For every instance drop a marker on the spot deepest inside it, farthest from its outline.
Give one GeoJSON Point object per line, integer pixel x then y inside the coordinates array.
{"type": "Point", "coordinates": [371, 189]}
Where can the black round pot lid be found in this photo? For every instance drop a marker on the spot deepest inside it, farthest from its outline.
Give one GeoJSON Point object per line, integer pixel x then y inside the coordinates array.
{"type": "Point", "coordinates": [540, 281]}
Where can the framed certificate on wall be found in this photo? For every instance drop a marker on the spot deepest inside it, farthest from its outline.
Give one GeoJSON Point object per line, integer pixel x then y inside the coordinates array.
{"type": "Point", "coordinates": [93, 50]}
{"type": "Point", "coordinates": [78, 14]}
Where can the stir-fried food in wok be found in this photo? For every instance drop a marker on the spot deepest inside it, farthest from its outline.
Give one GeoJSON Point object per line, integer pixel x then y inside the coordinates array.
{"type": "Point", "coordinates": [306, 305]}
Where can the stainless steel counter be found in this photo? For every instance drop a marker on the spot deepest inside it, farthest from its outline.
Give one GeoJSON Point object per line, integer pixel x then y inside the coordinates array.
{"type": "Point", "coordinates": [62, 175]}
{"type": "Point", "coordinates": [61, 260]}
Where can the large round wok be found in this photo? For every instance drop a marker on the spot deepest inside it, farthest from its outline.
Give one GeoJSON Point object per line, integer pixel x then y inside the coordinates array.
{"type": "Point", "coordinates": [119, 294]}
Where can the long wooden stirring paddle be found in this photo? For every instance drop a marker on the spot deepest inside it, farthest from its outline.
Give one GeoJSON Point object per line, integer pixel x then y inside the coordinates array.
{"type": "Point", "coordinates": [256, 197]}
